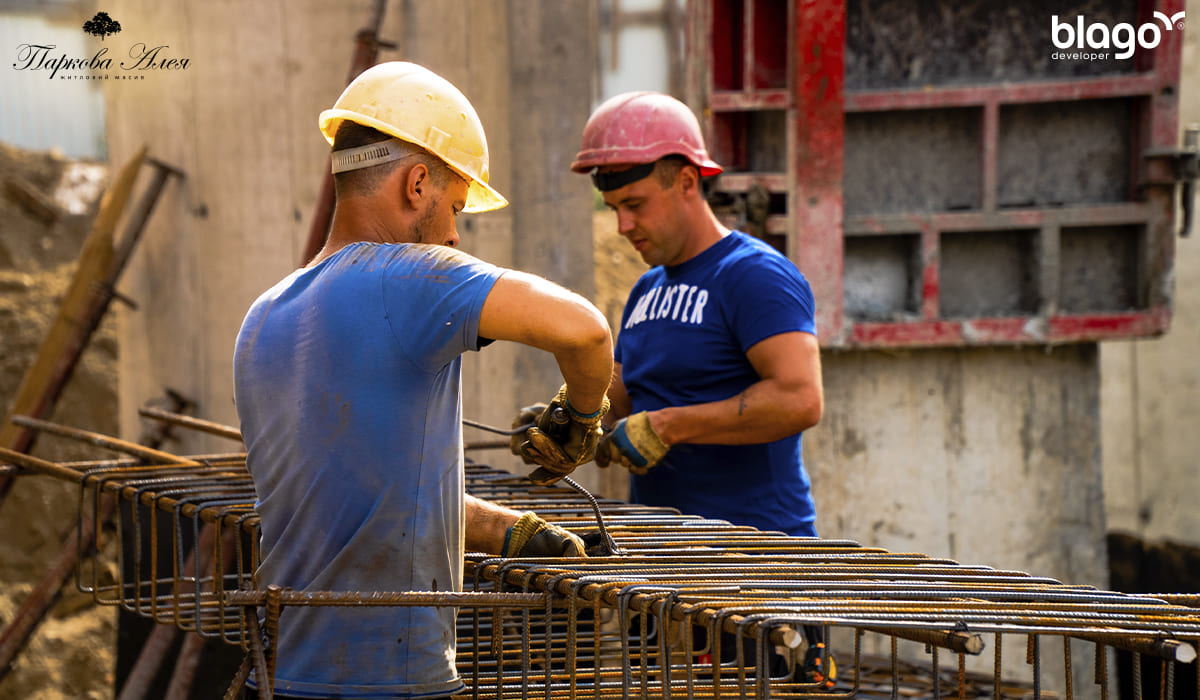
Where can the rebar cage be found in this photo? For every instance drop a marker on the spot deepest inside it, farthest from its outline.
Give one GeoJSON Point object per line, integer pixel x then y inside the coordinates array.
{"type": "Point", "coordinates": [692, 608]}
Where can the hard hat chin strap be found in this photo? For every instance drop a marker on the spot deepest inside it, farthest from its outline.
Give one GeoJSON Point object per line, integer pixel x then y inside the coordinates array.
{"type": "Point", "coordinates": [366, 156]}
{"type": "Point", "coordinates": [615, 180]}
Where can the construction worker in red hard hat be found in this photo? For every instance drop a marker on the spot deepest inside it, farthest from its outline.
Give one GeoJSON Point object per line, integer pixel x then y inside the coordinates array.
{"type": "Point", "coordinates": [347, 382]}
{"type": "Point", "coordinates": [717, 369]}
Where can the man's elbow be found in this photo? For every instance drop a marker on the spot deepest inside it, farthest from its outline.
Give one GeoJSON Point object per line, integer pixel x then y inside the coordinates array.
{"type": "Point", "coordinates": [590, 330]}
{"type": "Point", "coordinates": [806, 410]}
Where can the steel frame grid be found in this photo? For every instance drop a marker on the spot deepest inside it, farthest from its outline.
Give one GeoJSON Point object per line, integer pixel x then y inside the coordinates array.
{"type": "Point", "coordinates": [627, 625]}
{"type": "Point", "coordinates": [815, 229]}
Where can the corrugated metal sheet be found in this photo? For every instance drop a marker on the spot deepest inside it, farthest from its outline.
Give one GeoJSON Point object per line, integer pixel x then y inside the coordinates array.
{"type": "Point", "coordinates": [37, 112]}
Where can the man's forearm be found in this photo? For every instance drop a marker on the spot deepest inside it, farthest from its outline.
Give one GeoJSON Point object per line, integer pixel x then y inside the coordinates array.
{"type": "Point", "coordinates": [587, 371]}
{"type": "Point", "coordinates": [486, 525]}
{"type": "Point", "coordinates": [764, 412]}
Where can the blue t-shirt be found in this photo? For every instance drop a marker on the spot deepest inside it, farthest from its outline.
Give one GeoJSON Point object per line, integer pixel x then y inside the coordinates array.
{"type": "Point", "coordinates": [683, 340]}
{"type": "Point", "coordinates": [347, 381]}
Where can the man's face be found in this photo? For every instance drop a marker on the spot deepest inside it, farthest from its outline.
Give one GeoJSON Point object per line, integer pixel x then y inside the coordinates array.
{"type": "Point", "coordinates": [437, 224]}
{"type": "Point", "coordinates": [649, 217]}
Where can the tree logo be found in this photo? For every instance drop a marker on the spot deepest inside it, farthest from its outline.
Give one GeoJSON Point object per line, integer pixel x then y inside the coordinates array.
{"type": "Point", "coordinates": [101, 25]}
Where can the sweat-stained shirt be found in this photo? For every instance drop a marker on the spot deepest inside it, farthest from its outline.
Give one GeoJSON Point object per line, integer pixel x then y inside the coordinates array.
{"type": "Point", "coordinates": [347, 381]}
{"type": "Point", "coordinates": [683, 340]}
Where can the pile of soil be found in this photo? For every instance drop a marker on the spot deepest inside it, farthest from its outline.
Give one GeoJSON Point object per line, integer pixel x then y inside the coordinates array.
{"type": "Point", "coordinates": [47, 204]}
{"type": "Point", "coordinates": [618, 266]}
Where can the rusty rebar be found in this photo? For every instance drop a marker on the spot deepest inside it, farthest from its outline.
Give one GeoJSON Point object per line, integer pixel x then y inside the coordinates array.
{"type": "Point", "coordinates": [197, 424]}
{"type": "Point", "coordinates": [624, 625]}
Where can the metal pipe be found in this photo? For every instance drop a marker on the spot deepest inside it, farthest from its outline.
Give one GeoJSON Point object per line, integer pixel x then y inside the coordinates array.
{"type": "Point", "coordinates": [184, 421]}
{"type": "Point", "coordinates": [99, 440]}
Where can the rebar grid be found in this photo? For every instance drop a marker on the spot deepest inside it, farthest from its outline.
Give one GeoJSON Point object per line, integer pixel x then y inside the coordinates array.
{"type": "Point", "coordinates": [694, 608]}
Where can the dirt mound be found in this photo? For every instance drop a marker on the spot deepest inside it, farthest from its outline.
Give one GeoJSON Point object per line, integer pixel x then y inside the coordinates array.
{"type": "Point", "coordinates": [618, 266]}
{"type": "Point", "coordinates": [47, 204]}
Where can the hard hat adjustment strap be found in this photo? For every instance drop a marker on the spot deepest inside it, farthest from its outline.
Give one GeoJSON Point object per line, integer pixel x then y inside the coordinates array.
{"type": "Point", "coordinates": [369, 155]}
{"type": "Point", "coordinates": [607, 182]}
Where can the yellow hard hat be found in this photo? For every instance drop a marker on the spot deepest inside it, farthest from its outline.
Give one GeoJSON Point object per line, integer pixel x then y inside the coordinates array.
{"type": "Point", "coordinates": [414, 104]}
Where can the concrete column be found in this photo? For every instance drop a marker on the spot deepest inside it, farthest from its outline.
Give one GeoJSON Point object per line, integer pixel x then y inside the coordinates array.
{"type": "Point", "coordinates": [240, 120]}
{"type": "Point", "coordinates": [551, 65]}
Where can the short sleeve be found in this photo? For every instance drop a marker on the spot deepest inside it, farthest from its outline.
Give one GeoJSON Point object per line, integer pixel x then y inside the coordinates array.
{"type": "Point", "coordinates": [770, 296]}
{"type": "Point", "coordinates": [433, 296]}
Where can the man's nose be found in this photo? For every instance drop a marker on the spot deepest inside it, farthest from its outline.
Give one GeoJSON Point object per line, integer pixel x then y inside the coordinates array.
{"type": "Point", "coordinates": [624, 222]}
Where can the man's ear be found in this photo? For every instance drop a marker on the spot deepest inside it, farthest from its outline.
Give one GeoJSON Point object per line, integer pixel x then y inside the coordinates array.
{"type": "Point", "coordinates": [415, 184]}
{"type": "Point", "coordinates": [688, 179]}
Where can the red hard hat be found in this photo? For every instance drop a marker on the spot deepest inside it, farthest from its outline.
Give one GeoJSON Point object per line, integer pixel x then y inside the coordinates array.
{"type": "Point", "coordinates": [641, 127]}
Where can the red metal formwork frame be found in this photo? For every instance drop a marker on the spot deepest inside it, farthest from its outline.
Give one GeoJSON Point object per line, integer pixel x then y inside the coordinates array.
{"type": "Point", "coordinates": [725, 77]}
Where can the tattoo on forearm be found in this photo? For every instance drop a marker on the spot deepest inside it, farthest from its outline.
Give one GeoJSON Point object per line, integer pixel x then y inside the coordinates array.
{"type": "Point", "coordinates": [741, 403]}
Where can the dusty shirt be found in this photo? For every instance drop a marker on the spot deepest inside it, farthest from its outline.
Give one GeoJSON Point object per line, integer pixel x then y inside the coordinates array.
{"type": "Point", "coordinates": [347, 381]}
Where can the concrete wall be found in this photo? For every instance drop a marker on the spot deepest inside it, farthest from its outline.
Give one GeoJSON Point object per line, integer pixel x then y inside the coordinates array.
{"type": "Point", "coordinates": [986, 456]}
{"type": "Point", "coordinates": [1150, 392]}
{"type": "Point", "coordinates": [241, 121]}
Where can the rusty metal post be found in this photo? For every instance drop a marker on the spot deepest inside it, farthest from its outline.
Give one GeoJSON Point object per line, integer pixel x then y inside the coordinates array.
{"type": "Point", "coordinates": [366, 52]}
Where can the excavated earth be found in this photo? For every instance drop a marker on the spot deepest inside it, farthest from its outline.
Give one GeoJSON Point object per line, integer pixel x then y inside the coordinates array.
{"type": "Point", "coordinates": [72, 653]}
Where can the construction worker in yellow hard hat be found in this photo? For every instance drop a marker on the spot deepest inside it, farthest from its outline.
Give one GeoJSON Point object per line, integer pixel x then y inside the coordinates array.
{"type": "Point", "coordinates": [347, 380]}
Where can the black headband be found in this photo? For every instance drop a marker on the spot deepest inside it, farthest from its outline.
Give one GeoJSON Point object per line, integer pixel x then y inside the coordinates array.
{"type": "Point", "coordinates": [607, 182]}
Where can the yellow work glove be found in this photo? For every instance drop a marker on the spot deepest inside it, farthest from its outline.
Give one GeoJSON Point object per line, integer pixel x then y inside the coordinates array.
{"type": "Point", "coordinates": [526, 416]}
{"type": "Point", "coordinates": [633, 444]}
{"type": "Point", "coordinates": [562, 439]}
{"type": "Point", "coordinates": [532, 536]}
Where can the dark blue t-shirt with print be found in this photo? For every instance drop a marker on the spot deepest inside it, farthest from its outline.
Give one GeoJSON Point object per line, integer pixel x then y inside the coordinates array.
{"type": "Point", "coordinates": [683, 340]}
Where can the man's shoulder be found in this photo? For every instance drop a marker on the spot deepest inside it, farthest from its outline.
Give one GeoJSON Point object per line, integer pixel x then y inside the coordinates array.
{"type": "Point", "coordinates": [753, 256]}
{"type": "Point", "coordinates": [422, 254]}
{"type": "Point", "coordinates": [414, 262]}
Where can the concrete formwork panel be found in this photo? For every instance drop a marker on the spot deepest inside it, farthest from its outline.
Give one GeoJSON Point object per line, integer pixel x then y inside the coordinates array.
{"type": "Point", "coordinates": [912, 161]}
{"type": "Point", "coordinates": [1063, 153]}
{"type": "Point", "coordinates": [988, 274]}
{"type": "Point", "coordinates": [893, 44]}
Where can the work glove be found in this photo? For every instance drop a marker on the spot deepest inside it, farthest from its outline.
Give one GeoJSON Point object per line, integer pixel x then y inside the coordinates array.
{"type": "Point", "coordinates": [526, 416]}
{"type": "Point", "coordinates": [561, 440]}
{"type": "Point", "coordinates": [532, 536]}
{"type": "Point", "coordinates": [633, 444]}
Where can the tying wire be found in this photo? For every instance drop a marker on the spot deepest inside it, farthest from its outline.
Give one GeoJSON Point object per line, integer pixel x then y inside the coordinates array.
{"type": "Point", "coordinates": [609, 543]}
{"type": "Point", "coordinates": [498, 431]}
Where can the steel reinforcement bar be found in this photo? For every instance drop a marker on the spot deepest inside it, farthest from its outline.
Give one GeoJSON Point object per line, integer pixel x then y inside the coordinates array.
{"type": "Point", "coordinates": [692, 608]}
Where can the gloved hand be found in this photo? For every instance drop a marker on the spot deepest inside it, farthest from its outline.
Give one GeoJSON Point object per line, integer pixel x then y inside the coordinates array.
{"type": "Point", "coordinates": [532, 536]}
{"type": "Point", "coordinates": [527, 415]}
{"type": "Point", "coordinates": [633, 444]}
{"type": "Point", "coordinates": [562, 439]}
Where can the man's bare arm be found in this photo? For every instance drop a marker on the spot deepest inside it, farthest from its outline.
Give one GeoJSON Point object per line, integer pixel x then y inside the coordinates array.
{"type": "Point", "coordinates": [618, 397]}
{"type": "Point", "coordinates": [486, 525]}
{"type": "Point", "coordinates": [787, 399]}
{"type": "Point", "coordinates": [533, 311]}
